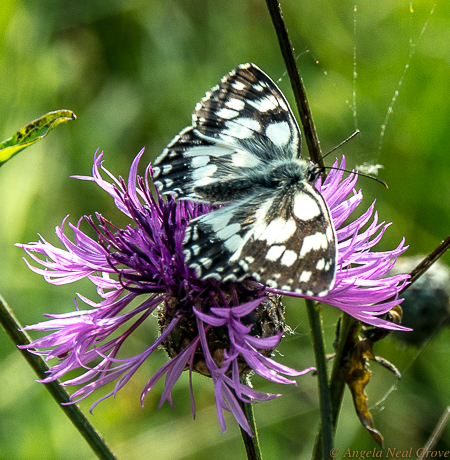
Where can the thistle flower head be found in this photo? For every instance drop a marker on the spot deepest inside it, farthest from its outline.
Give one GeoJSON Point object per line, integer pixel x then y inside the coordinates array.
{"type": "Point", "coordinates": [224, 331]}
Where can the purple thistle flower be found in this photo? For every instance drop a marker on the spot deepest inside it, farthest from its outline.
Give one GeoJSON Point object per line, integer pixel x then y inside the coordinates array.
{"type": "Point", "coordinates": [147, 258]}
{"type": "Point", "coordinates": [222, 331]}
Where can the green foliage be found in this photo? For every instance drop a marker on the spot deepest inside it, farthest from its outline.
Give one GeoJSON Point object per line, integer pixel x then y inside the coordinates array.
{"type": "Point", "coordinates": [133, 71]}
{"type": "Point", "coordinates": [32, 132]}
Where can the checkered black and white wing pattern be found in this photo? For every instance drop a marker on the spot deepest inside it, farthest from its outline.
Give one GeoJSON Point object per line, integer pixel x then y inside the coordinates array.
{"type": "Point", "coordinates": [247, 109]}
{"type": "Point", "coordinates": [243, 151]}
{"type": "Point", "coordinates": [283, 240]}
{"type": "Point", "coordinates": [242, 125]}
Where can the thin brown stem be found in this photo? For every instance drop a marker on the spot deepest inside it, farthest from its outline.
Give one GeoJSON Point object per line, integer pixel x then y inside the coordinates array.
{"type": "Point", "coordinates": [427, 262]}
{"type": "Point", "coordinates": [309, 130]}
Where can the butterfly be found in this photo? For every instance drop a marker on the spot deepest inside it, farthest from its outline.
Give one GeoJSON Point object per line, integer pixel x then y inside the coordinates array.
{"type": "Point", "coordinates": [242, 152]}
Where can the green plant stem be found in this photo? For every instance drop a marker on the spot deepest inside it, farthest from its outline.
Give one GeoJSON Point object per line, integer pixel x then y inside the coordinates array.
{"type": "Point", "coordinates": [14, 329]}
{"type": "Point", "coordinates": [252, 446]}
{"type": "Point", "coordinates": [326, 427]}
{"type": "Point", "coordinates": [309, 130]}
{"type": "Point", "coordinates": [337, 385]}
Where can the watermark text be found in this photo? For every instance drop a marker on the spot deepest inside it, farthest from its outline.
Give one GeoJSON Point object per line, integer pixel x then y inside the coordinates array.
{"type": "Point", "coordinates": [390, 453]}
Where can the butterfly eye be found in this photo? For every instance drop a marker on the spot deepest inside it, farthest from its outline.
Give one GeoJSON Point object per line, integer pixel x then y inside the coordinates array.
{"type": "Point", "coordinates": [312, 174]}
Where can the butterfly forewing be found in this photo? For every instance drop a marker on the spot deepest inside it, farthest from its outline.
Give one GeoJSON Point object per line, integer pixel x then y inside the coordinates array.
{"type": "Point", "coordinates": [243, 124]}
{"type": "Point", "coordinates": [247, 108]}
{"type": "Point", "coordinates": [242, 150]}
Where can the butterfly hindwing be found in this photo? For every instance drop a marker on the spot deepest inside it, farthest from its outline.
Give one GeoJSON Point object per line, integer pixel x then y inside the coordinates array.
{"type": "Point", "coordinates": [284, 240]}
{"type": "Point", "coordinates": [295, 248]}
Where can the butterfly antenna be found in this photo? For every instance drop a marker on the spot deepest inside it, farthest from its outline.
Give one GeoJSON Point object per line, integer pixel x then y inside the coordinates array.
{"type": "Point", "coordinates": [342, 143]}
{"type": "Point", "coordinates": [346, 170]}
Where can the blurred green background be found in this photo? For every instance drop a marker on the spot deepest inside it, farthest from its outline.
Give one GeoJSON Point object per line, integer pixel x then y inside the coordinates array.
{"type": "Point", "coordinates": [132, 71]}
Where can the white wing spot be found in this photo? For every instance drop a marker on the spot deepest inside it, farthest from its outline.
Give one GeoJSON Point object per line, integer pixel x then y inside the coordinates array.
{"type": "Point", "coordinates": [233, 243]}
{"type": "Point", "coordinates": [279, 133]}
{"type": "Point", "coordinates": [243, 265]}
{"type": "Point", "coordinates": [228, 231]}
{"type": "Point", "coordinates": [283, 104]}
{"type": "Point", "coordinates": [217, 221]}
{"type": "Point", "coordinates": [259, 231]}
{"type": "Point", "coordinates": [242, 128]}
{"type": "Point", "coordinates": [194, 234]}
{"type": "Point", "coordinates": [278, 231]}
{"type": "Point", "coordinates": [201, 183]}
{"type": "Point", "coordinates": [274, 253]}
{"type": "Point", "coordinates": [257, 87]}
{"type": "Point", "coordinates": [238, 85]}
{"type": "Point", "coordinates": [329, 234]}
{"type": "Point", "coordinates": [245, 159]}
{"type": "Point", "coordinates": [305, 207]}
{"type": "Point", "coordinates": [198, 269]}
{"type": "Point", "coordinates": [235, 104]}
{"type": "Point", "coordinates": [272, 283]}
{"type": "Point", "coordinates": [313, 243]}
{"type": "Point", "coordinates": [305, 276]}
{"type": "Point", "coordinates": [256, 276]}
{"type": "Point", "coordinates": [166, 169]}
{"type": "Point", "coordinates": [215, 276]}
{"type": "Point", "coordinates": [227, 114]}
{"type": "Point", "coordinates": [206, 262]}
{"type": "Point", "coordinates": [320, 265]}
{"type": "Point", "coordinates": [288, 230]}
{"type": "Point", "coordinates": [198, 162]}
{"type": "Point", "coordinates": [249, 123]}
{"type": "Point", "coordinates": [195, 249]}
{"type": "Point", "coordinates": [210, 150]}
{"type": "Point", "coordinates": [264, 104]}
{"type": "Point", "coordinates": [203, 172]}
{"type": "Point", "coordinates": [289, 258]}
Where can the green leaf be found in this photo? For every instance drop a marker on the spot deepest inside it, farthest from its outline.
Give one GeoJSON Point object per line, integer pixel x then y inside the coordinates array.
{"type": "Point", "coordinates": [32, 132]}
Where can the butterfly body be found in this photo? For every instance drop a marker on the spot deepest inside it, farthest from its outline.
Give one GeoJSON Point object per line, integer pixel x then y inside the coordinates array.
{"type": "Point", "coordinates": [243, 152]}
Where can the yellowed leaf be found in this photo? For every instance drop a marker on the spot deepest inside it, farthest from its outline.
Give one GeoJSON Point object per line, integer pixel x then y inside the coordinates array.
{"type": "Point", "coordinates": [33, 132]}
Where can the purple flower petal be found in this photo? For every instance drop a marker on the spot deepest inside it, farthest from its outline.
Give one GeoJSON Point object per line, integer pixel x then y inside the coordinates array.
{"type": "Point", "coordinates": [140, 268]}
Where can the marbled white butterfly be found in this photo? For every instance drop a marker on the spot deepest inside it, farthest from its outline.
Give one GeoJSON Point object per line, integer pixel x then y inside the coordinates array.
{"type": "Point", "coordinates": [242, 151]}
